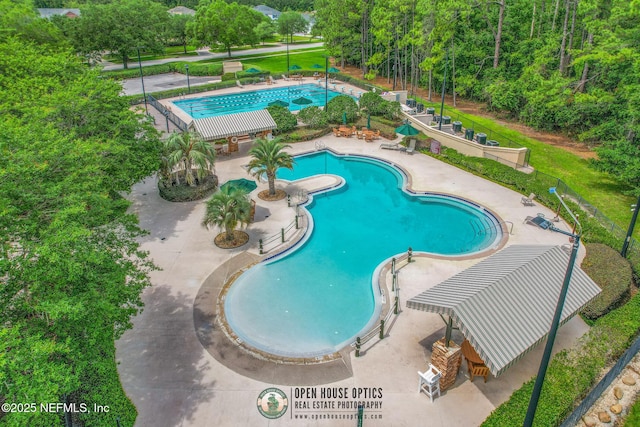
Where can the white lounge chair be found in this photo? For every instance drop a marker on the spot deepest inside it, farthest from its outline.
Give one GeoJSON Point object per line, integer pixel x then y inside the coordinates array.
{"type": "Point", "coordinates": [272, 80]}
{"type": "Point", "coordinates": [285, 77]}
{"type": "Point", "coordinates": [392, 146]}
{"type": "Point", "coordinates": [239, 84]}
{"type": "Point", "coordinates": [412, 146]}
{"type": "Point", "coordinates": [528, 201]}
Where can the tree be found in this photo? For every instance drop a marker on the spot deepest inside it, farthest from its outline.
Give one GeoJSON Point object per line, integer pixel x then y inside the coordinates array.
{"type": "Point", "coordinates": [70, 260]}
{"type": "Point", "coordinates": [227, 208]}
{"type": "Point", "coordinates": [221, 23]}
{"type": "Point", "coordinates": [290, 23]}
{"type": "Point", "coordinates": [188, 150]}
{"type": "Point", "coordinates": [340, 105]}
{"type": "Point", "coordinates": [285, 120]}
{"type": "Point", "coordinates": [177, 29]}
{"type": "Point", "coordinates": [313, 116]}
{"type": "Point", "coordinates": [267, 157]}
{"type": "Point", "coordinates": [122, 27]}
{"type": "Point", "coordinates": [265, 30]}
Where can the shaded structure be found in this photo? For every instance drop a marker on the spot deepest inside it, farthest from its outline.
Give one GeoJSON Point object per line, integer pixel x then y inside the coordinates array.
{"type": "Point", "coordinates": [504, 304]}
{"type": "Point", "coordinates": [238, 124]}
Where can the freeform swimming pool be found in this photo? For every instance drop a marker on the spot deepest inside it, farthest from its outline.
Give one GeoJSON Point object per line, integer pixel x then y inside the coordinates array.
{"type": "Point", "coordinates": [210, 106]}
{"type": "Point", "coordinates": [320, 296]}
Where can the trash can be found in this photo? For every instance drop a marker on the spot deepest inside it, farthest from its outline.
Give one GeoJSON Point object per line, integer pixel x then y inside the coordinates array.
{"type": "Point", "coordinates": [493, 143]}
{"type": "Point", "coordinates": [457, 126]}
{"type": "Point", "coordinates": [420, 107]}
{"type": "Point", "coordinates": [431, 111]}
{"type": "Point", "coordinates": [482, 138]}
{"type": "Point", "coordinates": [411, 103]}
{"type": "Point", "coordinates": [468, 134]}
{"type": "Point", "coordinates": [436, 119]}
{"type": "Point", "coordinates": [446, 120]}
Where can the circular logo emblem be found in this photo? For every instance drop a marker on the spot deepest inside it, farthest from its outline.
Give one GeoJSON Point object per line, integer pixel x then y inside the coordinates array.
{"type": "Point", "coordinates": [272, 403]}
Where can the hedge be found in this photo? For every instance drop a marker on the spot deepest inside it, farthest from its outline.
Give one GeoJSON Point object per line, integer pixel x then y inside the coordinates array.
{"type": "Point", "coordinates": [185, 193]}
{"type": "Point", "coordinates": [612, 273]}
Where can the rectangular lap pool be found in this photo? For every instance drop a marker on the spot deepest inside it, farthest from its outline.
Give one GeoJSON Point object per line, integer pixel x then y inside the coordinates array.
{"type": "Point", "coordinates": [209, 106]}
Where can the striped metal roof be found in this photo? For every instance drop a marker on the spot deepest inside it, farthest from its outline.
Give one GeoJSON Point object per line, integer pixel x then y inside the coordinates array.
{"type": "Point", "coordinates": [234, 124]}
{"type": "Point", "coordinates": [504, 305]}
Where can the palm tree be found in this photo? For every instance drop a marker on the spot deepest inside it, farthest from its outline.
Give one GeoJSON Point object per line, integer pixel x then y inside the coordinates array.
{"type": "Point", "coordinates": [268, 157]}
{"type": "Point", "coordinates": [226, 208]}
{"type": "Point", "coordinates": [188, 149]}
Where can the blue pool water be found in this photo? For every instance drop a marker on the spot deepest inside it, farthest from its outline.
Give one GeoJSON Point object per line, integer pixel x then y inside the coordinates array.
{"type": "Point", "coordinates": [319, 297]}
{"type": "Point", "coordinates": [209, 106]}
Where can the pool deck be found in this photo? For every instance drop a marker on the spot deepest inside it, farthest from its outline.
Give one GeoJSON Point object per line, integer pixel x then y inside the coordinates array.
{"type": "Point", "coordinates": [174, 380]}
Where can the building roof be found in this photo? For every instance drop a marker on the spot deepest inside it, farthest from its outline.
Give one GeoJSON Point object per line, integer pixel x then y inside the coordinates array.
{"type": "Point", "coordinates": [49, 12]}
{"type": "Point", "coordinates": [234, 124]}
{"type": "Point", "coordinates": [269, 11]}
{"type": "Point", "coordinates": [181, 10]}
{"type": "Point", "coordinates": [504, 304]}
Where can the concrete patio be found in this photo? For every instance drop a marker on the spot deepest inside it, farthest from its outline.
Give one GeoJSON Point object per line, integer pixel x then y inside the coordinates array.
{"type": "Point", "coordinates": [174, 380]}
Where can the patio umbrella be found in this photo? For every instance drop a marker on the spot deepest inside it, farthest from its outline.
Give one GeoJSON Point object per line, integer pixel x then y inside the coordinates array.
{"type": "Point", "coordinates": [333, 70]}
{"type": "Point", "coordinates": [302, 101]}
{"type": "Point", "coordinates": [407, 130]}
{"type": "Point", "coordinates": [344, 118]}
{"type": "Point", "coordinates": [317, 66]}
{"type": "Point", "coordinates": [295, 67]}
{"type": "Point", "coordinates": [244, 184]}
{"type": "Point", "coordinates": [252, 70]}
{"type": "Point", "coordinates": [279, 102]}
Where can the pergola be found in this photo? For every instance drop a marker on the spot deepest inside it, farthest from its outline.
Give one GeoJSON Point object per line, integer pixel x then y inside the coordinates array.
{"type": "Point", "coordinates": [504, 304]}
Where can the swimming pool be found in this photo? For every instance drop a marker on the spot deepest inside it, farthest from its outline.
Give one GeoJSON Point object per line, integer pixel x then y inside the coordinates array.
{"type": "Point", "coordinates": [317, 298]}
{"type": "Point", "coordinates": [210, 106]}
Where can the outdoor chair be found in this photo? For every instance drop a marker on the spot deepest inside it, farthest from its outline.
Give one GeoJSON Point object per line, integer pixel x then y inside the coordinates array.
{"type": "Point", "coordinates": [285, 77]}
{"type": "Point", "coordinates": [412, 146]}
{"type": "Point", "coordinates": [336, 132]}
{"type": "Point", "coordinates": [528, 201]}
{"type": "Point", "coordinates": [538, 221]}
{"type": "Point", "coordinates": [475, 365]}
{"type": "Point", "coordinates": [239, 84]}
{"type": "Point", "coordinates": [392, 146]}
{"type": "Point", "coordinates": [272, 80]}
{"type": "Point", "coordinates": [429, 381]}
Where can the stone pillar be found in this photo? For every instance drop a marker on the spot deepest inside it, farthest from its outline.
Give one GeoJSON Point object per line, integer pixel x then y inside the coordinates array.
{"type": "Point", "coordinates": [447, 360]}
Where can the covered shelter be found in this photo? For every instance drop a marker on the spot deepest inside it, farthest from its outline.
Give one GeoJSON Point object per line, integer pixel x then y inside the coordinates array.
{"type": "Point", "coordinates": [504, 304]}
{"type": "Point", "coordinates": [235, 125]}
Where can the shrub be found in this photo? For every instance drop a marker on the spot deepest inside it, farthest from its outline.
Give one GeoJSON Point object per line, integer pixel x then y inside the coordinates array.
{"type": "Point", "coordinates": [314, 117]}
{"type": "Point", "coordinates": [338, 106]}
{"type": "Point", "coordinates": [184, 193]}
{"type": "Point", "coordinates": [612, 273]}
{"type": "Point", "coordinates": [284, 119]}
{"type": "Point", "coordinates": [373, 103]}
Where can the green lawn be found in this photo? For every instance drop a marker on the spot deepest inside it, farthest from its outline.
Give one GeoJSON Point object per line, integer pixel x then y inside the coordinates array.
{"type": "Point", "coordinates": [602, 190]}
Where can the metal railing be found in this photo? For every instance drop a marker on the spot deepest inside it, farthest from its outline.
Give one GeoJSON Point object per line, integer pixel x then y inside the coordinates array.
{"type": "Point", "coordinates": [270, 243]}
{"type": "Point", "coordinates": [394, 310]}
{"type": "Point", "coordinates": [168, 114]}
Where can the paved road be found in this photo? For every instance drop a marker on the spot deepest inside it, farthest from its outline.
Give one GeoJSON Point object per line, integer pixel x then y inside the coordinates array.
{"type": "Point", "coordinates": [205, 54]}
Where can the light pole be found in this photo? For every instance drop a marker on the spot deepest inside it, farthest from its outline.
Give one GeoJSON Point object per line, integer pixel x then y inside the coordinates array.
{"type": "Point", "coordinates": [326, 82]}
{"type": "Point", "coordinates": [444, 82]}
{"type": "Point", "coordinates": [287, 55]}
{"type": "Point", "coordinates": [186, 67]}
{"type": "Point", "coordinates": [625, 246]}
{"type": "Point", "coordinates": [144, 95]}
{"type": "Point", "coordinates": [546, 356]}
